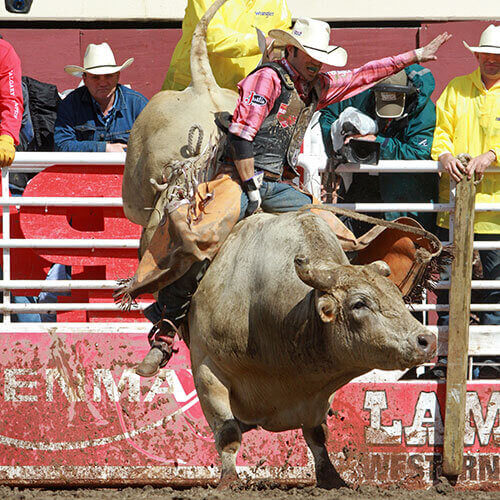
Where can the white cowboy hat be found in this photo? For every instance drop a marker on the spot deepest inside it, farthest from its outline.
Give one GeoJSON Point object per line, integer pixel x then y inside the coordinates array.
{"type": "Point", "coordinates": [312, 37]}
{"type": "Point", "coordinates": [98, 60]}
{"type": "Point", "coordinates": [489, 42]}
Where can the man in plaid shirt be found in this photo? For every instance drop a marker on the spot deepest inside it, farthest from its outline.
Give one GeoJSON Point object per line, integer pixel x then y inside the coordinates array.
{"type": "Point", "coordinates": [274, 109]}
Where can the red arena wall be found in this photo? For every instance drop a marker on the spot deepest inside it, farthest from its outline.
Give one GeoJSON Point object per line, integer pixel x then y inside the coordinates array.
{"type": "Point", "coordinates": [152, 50]}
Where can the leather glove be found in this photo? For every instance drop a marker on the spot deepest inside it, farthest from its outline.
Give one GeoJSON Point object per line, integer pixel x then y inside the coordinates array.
{"type": "Point", "coordinates": [7, 150]}
{"type": "Point", "coordinates": [251, 187]}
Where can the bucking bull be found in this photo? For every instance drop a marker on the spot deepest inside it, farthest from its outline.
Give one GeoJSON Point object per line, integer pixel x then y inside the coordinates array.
{"type": "Point", "coordinates": [281, 319]}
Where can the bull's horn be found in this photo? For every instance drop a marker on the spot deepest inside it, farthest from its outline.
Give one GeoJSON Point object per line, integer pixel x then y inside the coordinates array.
{"type": "Point", "coordinates": [380, 267]}
{"type": "Point", "coordinates": [319, 278]}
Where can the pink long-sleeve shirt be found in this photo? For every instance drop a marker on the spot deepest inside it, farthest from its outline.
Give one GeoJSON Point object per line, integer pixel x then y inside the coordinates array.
{"type": "Point", "coordinates": [11, 92]}
{"type": "Point", "coordinates": [259, 90]}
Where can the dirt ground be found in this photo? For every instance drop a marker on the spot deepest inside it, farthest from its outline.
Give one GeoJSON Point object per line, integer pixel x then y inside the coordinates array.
{"type": "Point", "coordinates": [256, 491]}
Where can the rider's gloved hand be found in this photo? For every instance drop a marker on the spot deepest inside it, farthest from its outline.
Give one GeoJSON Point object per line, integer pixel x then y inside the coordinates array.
{"type": "Point", "coordinates": [251, 187]}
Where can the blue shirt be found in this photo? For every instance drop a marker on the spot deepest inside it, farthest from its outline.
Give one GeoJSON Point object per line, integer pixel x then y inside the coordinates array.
{"type": "Point", "coordinates": [81, 126]}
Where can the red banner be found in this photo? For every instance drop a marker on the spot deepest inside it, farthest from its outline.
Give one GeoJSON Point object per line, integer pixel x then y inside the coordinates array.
{"type": "Point", "coordinates": [73, 410]}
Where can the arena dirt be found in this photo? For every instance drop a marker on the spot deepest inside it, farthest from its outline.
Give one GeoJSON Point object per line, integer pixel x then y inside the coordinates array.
{"type": "Point", "coordinates": [253, 492]}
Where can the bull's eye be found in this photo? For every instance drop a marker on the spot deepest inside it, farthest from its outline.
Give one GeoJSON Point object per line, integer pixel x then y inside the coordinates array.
{"type": "Point", "coordinates": [359, 304]}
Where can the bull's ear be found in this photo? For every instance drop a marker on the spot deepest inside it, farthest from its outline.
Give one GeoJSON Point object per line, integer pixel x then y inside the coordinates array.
{"type": "Point", "coordinates": [380, 267]}
{"type": "Point", "coordinates": [319, 278]}
{"type": "Point", "coordinates": [327, 308]}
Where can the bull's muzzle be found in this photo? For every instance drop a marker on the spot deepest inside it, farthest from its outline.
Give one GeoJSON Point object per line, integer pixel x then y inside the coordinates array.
{"type": "Point", "coordinates": [427, 343]}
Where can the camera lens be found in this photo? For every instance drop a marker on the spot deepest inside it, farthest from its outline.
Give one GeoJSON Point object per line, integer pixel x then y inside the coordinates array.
{"type": "Point", "coordinates": [362, 152]}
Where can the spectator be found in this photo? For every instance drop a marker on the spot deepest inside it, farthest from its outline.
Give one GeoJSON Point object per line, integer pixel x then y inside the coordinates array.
{"type": "Point", "coordinates": [232, 44]}
{"type": "Point", "coordinates": [96, 117]}
{"type": "Point", "coordinates": [468, 121]}
{"type": "Point", "coordinates": [405, 117]}
{"type": "Point", "coordinates": [37, 130]}
{"type": "Point", "coordinates": [11, 114]}
{"type": "Point", "coordinates": [11, 102]}
{"type": "Point", "coordinates": [99, 115]}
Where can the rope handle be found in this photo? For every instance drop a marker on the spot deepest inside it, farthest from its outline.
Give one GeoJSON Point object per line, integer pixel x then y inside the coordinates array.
{"type": "Point", "coordinates": [436, 244]}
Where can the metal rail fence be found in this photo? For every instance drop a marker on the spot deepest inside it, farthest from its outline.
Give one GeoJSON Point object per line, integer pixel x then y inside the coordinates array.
{"type": "Point", "coordinates": [484, 340]}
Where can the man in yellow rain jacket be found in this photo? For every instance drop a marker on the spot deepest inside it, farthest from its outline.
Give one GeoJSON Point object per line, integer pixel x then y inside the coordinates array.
{"type": "Point", "coordinates": [468, 121]}
{"type": "Point", "coordinates": [232, 44]}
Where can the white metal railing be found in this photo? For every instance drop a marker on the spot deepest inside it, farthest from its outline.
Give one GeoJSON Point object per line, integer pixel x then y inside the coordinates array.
{"type": "Point", "coordinates": [36, 162]}
{"type": "Point", "coordinates": [480, 336]}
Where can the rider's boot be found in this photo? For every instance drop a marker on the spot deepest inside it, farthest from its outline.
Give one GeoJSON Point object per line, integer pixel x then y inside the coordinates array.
{"type": "Point", "coordinates": [161, 338]}
{"type": "Point", "coordinates": [167, 314]}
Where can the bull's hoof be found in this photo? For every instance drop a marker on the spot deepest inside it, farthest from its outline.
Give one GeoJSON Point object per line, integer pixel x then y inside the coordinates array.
{"type": "Point", "coordinates": [328, 478]}
{"type": "Point", "coordinates": [332, 483]}
{"type": "Point", "coordinates": [230, 482]}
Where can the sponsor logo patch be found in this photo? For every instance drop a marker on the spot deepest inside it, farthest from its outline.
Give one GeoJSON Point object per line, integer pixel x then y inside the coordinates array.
{"type": "Point", "coordinates": [255, 99]}
{"type": "Point", "coordinates": [284, 119]}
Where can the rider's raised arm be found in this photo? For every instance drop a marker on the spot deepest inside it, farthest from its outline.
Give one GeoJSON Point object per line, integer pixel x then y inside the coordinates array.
{"type": "Point", "coordinates": [334, 86]}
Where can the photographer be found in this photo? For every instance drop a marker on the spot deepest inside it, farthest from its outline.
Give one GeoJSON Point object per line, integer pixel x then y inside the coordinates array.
{"type": "Point", "coordinates": [405, 119]}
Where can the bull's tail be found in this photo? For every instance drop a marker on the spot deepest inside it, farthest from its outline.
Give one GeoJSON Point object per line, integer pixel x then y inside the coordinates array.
{"type": "Point", "coordinates": [202, 76]}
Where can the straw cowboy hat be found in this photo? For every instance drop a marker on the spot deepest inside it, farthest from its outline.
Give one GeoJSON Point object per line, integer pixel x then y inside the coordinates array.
{"type": "Point", "coordinates": [489, 42]}
{"type": "Point", "coordinates": [312, 37]}
{"type": "Point", "coordinates": [98, 60]}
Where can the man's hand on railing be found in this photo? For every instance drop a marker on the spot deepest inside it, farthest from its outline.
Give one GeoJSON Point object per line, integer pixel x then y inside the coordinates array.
{"type": "Point", "coordinates": [428, 52]}
{"type": "Point", "coordinates": [479, 164]}
{"type": "Point", "coordinates": [453, 166]}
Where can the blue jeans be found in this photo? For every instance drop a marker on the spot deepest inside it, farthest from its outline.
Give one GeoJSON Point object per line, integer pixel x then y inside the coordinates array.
{"type": "Point", "coordinates": [21, 299]}
{"type": "Point", "coordinates": [56, 272]}
{"type": "Point", "coordinates": [490, 260]}
{"type": "Point", "coordinates": [277, 197]}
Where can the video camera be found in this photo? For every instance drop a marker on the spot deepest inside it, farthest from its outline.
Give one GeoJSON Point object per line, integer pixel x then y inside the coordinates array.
{"type": "Point", "coordinates": [359, 150]}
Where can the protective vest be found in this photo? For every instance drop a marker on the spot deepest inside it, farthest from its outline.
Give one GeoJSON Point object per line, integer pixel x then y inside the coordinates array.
{"type": "Point", "coordinates": [277, 143]}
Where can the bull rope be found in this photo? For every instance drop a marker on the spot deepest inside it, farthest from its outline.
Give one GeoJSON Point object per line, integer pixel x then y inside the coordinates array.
{"type": "Point", "coordinates": [181, 178]}
{"type": "Point", "coordinates": [380, 222]}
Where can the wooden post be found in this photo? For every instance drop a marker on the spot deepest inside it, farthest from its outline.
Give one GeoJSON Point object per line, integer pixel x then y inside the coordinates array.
{"type": "Point", "coordinates": [458, 336]}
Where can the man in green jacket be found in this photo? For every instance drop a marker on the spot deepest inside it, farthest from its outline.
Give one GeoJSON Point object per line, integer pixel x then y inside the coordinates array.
{"type": "Point", "coordinates": [406, 117]}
